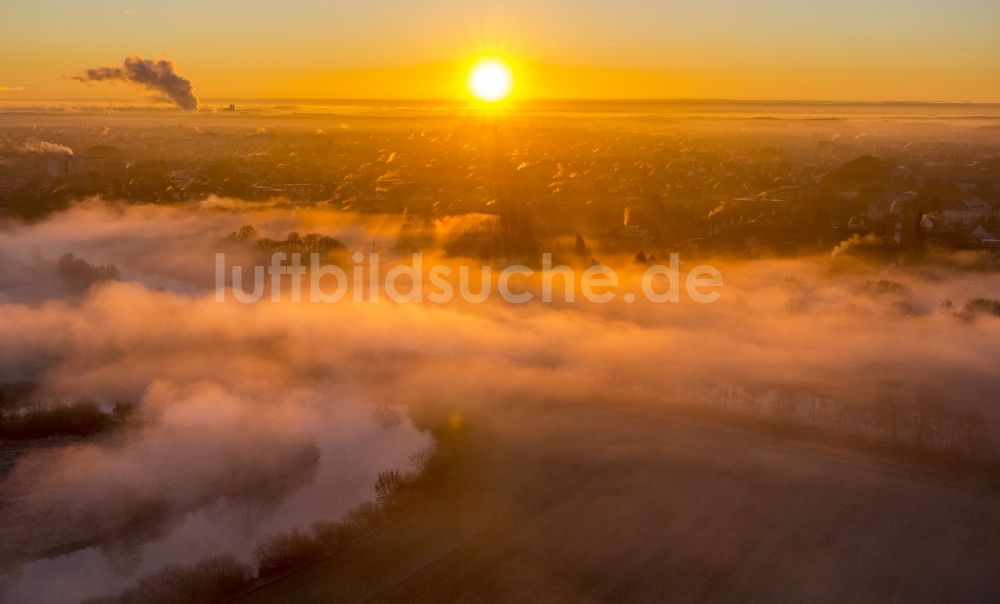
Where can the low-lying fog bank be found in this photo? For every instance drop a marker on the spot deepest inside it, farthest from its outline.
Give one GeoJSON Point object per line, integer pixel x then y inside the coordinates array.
{"type": "Point", "coordinates": [253, 419]}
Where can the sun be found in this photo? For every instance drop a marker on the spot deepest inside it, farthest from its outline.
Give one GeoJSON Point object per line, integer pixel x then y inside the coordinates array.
{"type": "Point", "coordinates": [490, 80]}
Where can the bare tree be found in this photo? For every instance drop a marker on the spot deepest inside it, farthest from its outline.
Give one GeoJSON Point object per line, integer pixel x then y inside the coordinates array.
{"type": "Point", "coordinates": [974, 432]}
{"type": "Point", "coordinates": [887, 409]}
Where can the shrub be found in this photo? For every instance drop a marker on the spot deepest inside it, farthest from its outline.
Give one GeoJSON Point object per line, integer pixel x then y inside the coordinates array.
{"type": "Point", "coordinates": [982, 306]}
{"type": "Point", "coordinates": [387, 486]}
{"type": "Point", "coordinates": [282, 553]}
{"type": "Point", "coordinates": [211, 580]}
{"type": "Point", "coordinates": [332, 535]}
{"type": "Point", "coordinates": [364, 517]}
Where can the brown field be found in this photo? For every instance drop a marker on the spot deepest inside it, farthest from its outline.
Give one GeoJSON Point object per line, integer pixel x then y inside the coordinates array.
{"type": "Point", "coordinates": [596, 504]}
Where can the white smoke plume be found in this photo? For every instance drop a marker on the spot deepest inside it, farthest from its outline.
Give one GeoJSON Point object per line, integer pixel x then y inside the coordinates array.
{"type": "Point", "coordinates": [44, 148]}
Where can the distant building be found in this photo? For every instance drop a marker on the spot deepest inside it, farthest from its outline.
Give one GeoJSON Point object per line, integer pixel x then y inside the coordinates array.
{"type": "Point", "coordinates": [969, 212]}
{"type": "Point", "coordinates": [58, 167]}
{"type": "Point", "coordinates": [980, 234]}
{"type": "Point", "coordinates": [891, 206]}
{"type": "Point", "coordinates": [895, 214]}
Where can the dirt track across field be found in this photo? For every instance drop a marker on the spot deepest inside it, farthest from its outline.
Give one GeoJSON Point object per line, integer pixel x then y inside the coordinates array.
{"type": "Point", "coordinates": [592, 504]}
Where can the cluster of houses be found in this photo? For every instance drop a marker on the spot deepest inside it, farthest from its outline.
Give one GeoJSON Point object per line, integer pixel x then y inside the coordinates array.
{"type": "Point", "coordinates": [961, 222]}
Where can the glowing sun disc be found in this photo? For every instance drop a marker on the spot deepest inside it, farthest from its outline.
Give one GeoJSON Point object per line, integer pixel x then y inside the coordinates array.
{"type": "Point", "coordinates": [490, 80]}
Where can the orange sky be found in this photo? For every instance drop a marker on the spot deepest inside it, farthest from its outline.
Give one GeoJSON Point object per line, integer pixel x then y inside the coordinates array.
{"type": "Point", "coordinates": [770, 49]}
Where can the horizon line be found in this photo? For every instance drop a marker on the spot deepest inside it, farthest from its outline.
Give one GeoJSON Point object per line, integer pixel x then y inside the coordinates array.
{"type": "Point", "coordinates": [526, 100]}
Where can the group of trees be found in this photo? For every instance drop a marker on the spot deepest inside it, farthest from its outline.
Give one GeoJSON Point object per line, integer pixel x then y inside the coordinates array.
{"type": "Point", "coordinates": [414, 237]}
{"type": "Point", "coordinates": [926, 422]}
{"type": "Point", "coordinates": [294, 243]}
{"type": "Point", "coordinates": [222, 578]}
{"type": "Point", "coordinates": [982, 306]}
{"type": "Point", "coordinates": [511, 235]}
{"type": "Point", "coordinates": [22, 417]}
{"type": "Point", "coordinates": [919, 419]}
{"type": "Point", "coordinates": [78, 275]}
{"type": "Point", "coordinates": [211, 580]}
{"type": "Point", "coordinates": [80, 419]}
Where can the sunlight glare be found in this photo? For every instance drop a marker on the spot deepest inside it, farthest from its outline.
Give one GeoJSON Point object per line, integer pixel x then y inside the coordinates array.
{"type": "Point", "coordinates": [490, 80]}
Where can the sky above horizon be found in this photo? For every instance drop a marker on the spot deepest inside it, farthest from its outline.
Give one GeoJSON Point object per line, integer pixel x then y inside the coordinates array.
{"type": "Point", "coordinates": [919, 50]}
